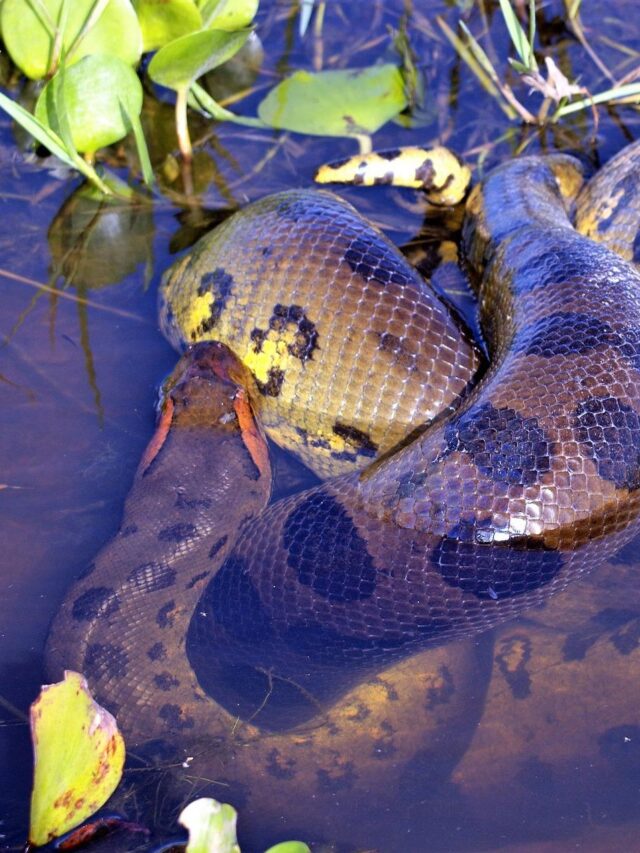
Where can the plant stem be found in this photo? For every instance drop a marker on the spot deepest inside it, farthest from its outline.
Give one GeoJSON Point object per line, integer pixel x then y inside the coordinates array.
{"type": "Point", "coordinates": [182, 128]}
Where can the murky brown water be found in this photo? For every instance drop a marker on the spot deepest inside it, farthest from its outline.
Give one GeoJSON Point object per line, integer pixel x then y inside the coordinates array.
{"type": "Point", "coordinates": [551, 722]}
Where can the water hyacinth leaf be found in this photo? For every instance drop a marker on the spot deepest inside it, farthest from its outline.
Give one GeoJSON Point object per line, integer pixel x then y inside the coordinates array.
{"type": "Point", "coordinates": [181, 61]}
{"type": "Point", "coordinates": [78, 758]}
{"type": "Point", "coordinates": [211, 826]}
{"type": "Point", "coordinates": [289, 847]}
{"type": "Point", "coordinates": [96, 96]}
{"type": "Point", "coordinates": [88, 26]}
{"type": "Point", "coordinates": [228, 15]}
{"type": "Point", "coordinates": [335, 103]}
{"type": "Point", "coordinates": [162, 21]}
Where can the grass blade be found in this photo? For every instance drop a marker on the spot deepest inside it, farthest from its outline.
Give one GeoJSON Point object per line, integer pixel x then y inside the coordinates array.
{"type": "Point", "coordinates": [630, 91]}
{"type": "Point", "coordinates": [51, 141]}
{"type": "Point", "coordinates": [143, 151]}
{"type": "Point", "coordinates": [523, 48]}
{"type": "Point", "coordinates": [478, 62]}
{"type": "Point", "coordinates": [44, 135]}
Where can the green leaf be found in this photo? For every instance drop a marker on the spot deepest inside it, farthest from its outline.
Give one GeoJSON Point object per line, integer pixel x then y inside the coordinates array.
{"type": "Point", "coordinates": [335, 103]}
{"type": "Point", "coordinates": [181, 61]}
{"type": "Point", "coordinates": [162, 21]}
{"type": "Point", "coordinates": [211, 826]}
{"type": "Point", "coordinates": [29, 31]}
{"type": "Point", "coordinates": [228, 15]}
{"type": "Point", "coordinates": [78, 755]}
{"type": "Point", "coordinates": [96, 96]}
{"type": "Point", "coordinates": [289, 847]}
{"type": "Point", "coordinates": [51, 141]}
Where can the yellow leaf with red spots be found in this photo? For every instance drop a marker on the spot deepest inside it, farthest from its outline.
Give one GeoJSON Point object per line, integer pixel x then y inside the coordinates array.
{"type": "Point", "coordinates": [78, 757]}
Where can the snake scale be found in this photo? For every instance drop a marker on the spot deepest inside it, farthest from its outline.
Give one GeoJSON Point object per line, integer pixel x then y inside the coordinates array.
{"type": "Point", "coordinates": [459, 494]}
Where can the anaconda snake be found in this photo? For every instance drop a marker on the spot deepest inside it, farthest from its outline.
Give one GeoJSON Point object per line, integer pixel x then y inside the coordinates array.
{"type": "Point", "coordinates": [526, 479]}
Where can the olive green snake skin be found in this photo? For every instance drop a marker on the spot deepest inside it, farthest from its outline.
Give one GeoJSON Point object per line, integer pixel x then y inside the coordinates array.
{"type": "Point", "coordinates": [459, 495]}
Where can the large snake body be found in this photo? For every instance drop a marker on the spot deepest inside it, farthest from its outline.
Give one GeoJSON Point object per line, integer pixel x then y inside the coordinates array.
{"type": "Point", "coordinates": [517, 487]}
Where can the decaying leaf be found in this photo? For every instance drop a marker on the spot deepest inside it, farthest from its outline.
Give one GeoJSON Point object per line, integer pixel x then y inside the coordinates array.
{"type": "Point", "coordinates": [78, 757]}
{"type": "Point", "coordinates": [556, 86]}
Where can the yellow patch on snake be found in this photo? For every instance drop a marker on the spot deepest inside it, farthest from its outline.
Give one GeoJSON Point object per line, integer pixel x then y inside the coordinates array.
{"type": "Point", "coordinates": [438, 171]}
{"type": "Point", "coordinates": [273, 355]}
{"type": "Point", "coordinates": [199, 311]}
{"type": "Point", "coordinates": [599, 213]}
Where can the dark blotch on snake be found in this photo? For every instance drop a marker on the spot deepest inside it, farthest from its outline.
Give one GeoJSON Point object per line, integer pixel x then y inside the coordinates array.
{"type": "Point", "coordinates": [196, 579]}
{"type": "Point", "coordinates": [217, 545]}
{"type": "Point", "coordinates": [512, 657]}
{"type": "Point", "coordinates": [219, 283]}
{"type": "Point", "coordinates": [273, 385]}
{"type": "Point", "coordinates": [157, 652]}
{"type": "Point", "coordinates": [636, 249]}
{"type": "Point", "coordinates": [164, 617]}
{"type": "Point", "coordinates": [360, 440]}
{"type": "Point", "coordinates": [305, 334]}
{"type": "Point", "coordinates": [98, 601]}
{"type": "Point", "coordinates": [468, 558]}
{"type": "Point", "coordinates": [279, 767]}
{"type": "Point", "coordinates": [573, 333]}
{"type": "Point", "coordinates": [104, 660]}
{"type": "Point", "coordinates": [175, 718]}
{"type": "Point", "coordinates": [440, 688]}
{"type": "Point", "coordinates": [183, 502]}
{"type": "Point", "coordinates": [334, 783]}
{"type": "Point", "coordinates": [504, 445]}
{"type": "Point", "coordinates": [564, 333]}
{"type": "Point", "coordinates": [230, 602]}
{"type": "Point", "coordinates": [177, 532]}
{"type": "Point", "coordinates": [373, 260]}
{"type": "Point", "coordinates": [165, 681]}
{"type": "Point", "coordinates": [608, 431]}
{"type": "Point", "coordinates": [326, 551]}
{"type": "Point", "coordinates": [425, 173]}
{"type": "Point", "coordinates": [150, 577]}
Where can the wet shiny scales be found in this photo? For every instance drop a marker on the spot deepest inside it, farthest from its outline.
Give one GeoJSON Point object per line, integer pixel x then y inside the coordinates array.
{"type": "Point", "coordinates": [483, 514]}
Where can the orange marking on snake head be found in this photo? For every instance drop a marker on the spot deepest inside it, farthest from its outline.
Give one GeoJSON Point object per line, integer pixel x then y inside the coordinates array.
{"type": "Point", "coordinates": [251, 434]}
{"type": "Point", "coordinates": [159, 436]}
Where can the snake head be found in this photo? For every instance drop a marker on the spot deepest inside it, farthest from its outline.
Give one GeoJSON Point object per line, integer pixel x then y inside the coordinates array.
{"type": "Point", "coordinates": [210, 388]}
